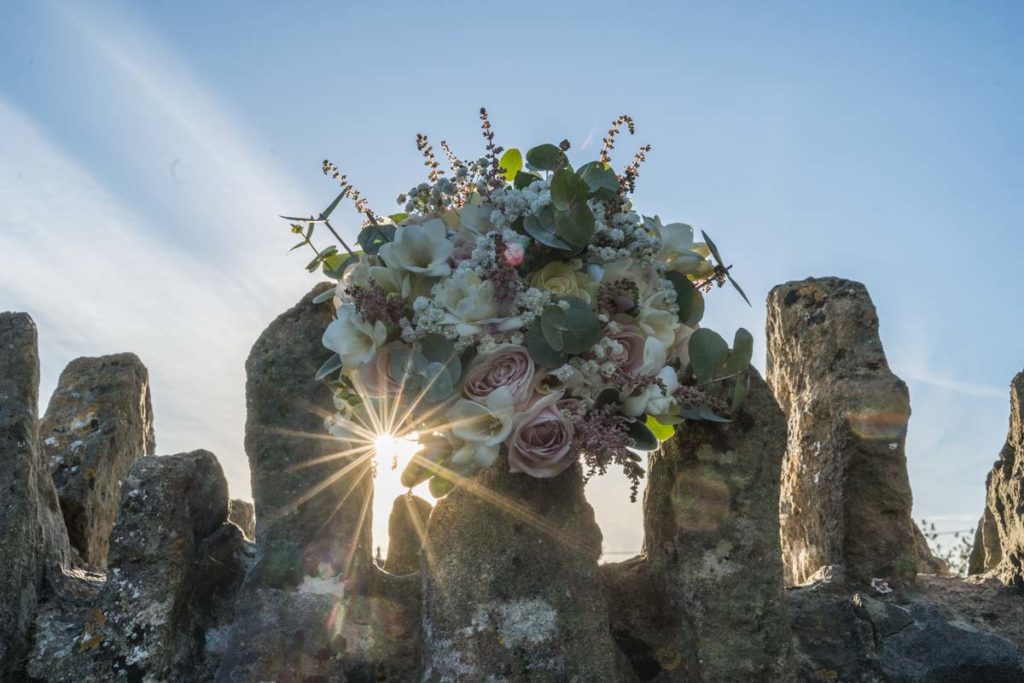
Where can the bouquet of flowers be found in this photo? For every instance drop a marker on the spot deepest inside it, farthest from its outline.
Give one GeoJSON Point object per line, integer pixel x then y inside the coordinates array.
{"type": "Point", "coordinates": [519, 310]}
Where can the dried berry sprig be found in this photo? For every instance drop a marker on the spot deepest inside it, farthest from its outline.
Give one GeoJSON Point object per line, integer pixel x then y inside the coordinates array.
{"type": "Point", "coordinates": [494, 174]}
{"type": "Point", "coordinates": [627, 183]}
{"type": "Point", "coordinates": [429, 160]}
{"type": "Point", "coordinates": [609, 138]}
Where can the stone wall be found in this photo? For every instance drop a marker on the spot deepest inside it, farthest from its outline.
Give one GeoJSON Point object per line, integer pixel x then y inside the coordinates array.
{"type": "Point", "coordinates": [500, 581]}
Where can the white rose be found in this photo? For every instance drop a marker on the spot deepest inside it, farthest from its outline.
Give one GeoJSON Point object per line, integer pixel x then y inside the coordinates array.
{"type": "Point", "coordinates": [654, 320]}
{"type": "Point", "coordinates": [422, 249]}
{"type": "Point", "coordinates": [470, 304]}
{"type": "Point", "coordinates": [482, 427]}
{"type": "Point", "coordinates": [654, 399]}
{"type": "Point", "coordinates": [352, 338]}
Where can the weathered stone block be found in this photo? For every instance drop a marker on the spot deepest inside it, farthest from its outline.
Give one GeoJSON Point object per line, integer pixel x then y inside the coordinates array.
{"type": "Point", "coordinates": [711, 530]}
{"type": "Point", "coordinates": [242, 514]}
{"type": "Point", "coordinates": [33, 541]}
{"type": "Point", "coordinates": [98, 424]}
{"type": "Point", "coordinates": [845, 491]}
{"type": "Point", "coordinates": [510, 583]}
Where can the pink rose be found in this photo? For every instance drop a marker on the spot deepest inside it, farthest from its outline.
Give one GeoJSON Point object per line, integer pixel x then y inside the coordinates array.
{"type": "Point", "coordinates": [508, 365]}
{"type": "Point", "coordinates": [631, 356]}
{"type": "Point", "coordinates": [541, 440]}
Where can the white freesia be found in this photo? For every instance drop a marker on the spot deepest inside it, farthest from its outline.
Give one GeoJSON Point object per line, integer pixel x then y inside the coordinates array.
{"type": "Point", "coordinates": [476, 217]}
{"type": "Point", "coordinates": [423, 249]}
{"type": "Point", "coordinates": [470, 304]}
{"type": "Point", "coordinates": [483, 427]}
{"type": "Point", "coordinates": [677, 249]}
{"type": "Point", "coordinates": [654, 318]}
{"type": "Point", "coordinates": [656, 399]}
{"type": "Point", "coordinates": [352, 338]}
{"type": "Point", "coordinates": [655, 355]}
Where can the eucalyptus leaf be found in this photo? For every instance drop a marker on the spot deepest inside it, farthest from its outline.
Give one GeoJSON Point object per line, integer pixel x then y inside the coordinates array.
{"type": "Point", "coordinates": [423, 465]}
{"type": "Point", "coordinates": [643, 438]}
{"type": "Point", "coordinates": [708, 353]}
{"type": "Point", "coordinates": [298, 246]}
{"type": "Point", "coordinates": [323, 296]}
{"type": "Point", "coordinates": [538, 230]}
{"type": "Point", "coordinates": [398, 217]}
{"type": "Point", "coordinates": [335, 265]}
{"type": "Point", "coordinates": [372, 238]}
{"type": "Point", "coordinates": [739, 392]}
{"type": "Point", "coordinates": [440, 487]}
{"type": "Point", "coordinates": [545, 157]}
{"type": "Point", "coordinates": [568, 190]}
{"type": "Point", "coordinates": [738, 288]}
{"type": "Point", "coordinates": [333, 205]}
{"type": "Point", "coordinates": [742, 352]}
{"type": "Point", "coordinates": [524, 179]}
{"type": "Point", "coordinates": [606, 396]}
{"type": "Point", "coordinates": [575, 226]}
{"type": "Point", "coordinates": [331, 365]}
{"type": "Point", "coordinates": [440, 385]}
{"type": "Point", "coordinates": [541, 351]}
{"type": "Point", "coordinates": [511, 163]}
{"type": "Point", "coordinates": [712, 247]}
{"type": "Point", "coordinates": [574, 329]}
{"type": "Point", "coordinates": [689, 298]}
{"type": "Point", "coordinates": [600, 178]}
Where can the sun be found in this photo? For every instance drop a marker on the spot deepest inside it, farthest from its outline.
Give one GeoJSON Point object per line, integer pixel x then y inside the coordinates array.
{"type": "Point", "coordinates": [391, 455]}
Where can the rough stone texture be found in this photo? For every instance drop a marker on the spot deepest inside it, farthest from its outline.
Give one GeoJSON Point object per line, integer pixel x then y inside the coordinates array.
{"type": "Point", "coordinates": [511, 590]}
{"type": "Point", "coordinates": [711, 530]}
{"type": "Point", "coordinates": [845, 491]}
{"type": "Point", "coordinates": [98, 424]}
{"type": "Point", "coordinates": [1004, 501]}
{"type": "Point", "coordinates": [33, 541]}
{"type": "Point", "coordinates": [242, 514]}
{"type": "Point", "coordinates": [309, 636]}
{"type": "Point", "coordinates": [407, 526]}
{"type": "Point", "coordinates": [986, 552]}
{"type": "Point", "coordinates": [313, 608]}
{"type": "Point", "coordinates": [939, 630]}
{"type": "Point", "coordinates": [310, 515]}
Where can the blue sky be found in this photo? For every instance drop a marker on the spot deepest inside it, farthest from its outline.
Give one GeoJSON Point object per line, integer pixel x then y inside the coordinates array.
{"type": "Point", "coordinates": [147, 149]}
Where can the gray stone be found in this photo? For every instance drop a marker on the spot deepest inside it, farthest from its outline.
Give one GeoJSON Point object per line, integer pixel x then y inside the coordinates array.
{"type": "Point", "coordinates": [711, 535]}
{"type": "Point", "coordinates": [986, 553]}
{"type": "Point", "coordinates": [242, 514]}
{"type": "Point", "coordinates": [937, 630]}
{"type": "Point", "coordinates": [846, 495]}
{"type": "Point", "coordinates": [173, 561]}
{"type": "Point", "coordinates": [312, 502]}
{"type": "Point", "coordinates": [511, 589]}
{"type": "Point", "coordinates": [1004, 501]}
{"type": "Point", "coordinates": [314, 607]}
{"type": "Point", "coordinates": [33, 541]}
{"type": "Point", "coordinates": [99, 423]}
{"type": "Point", "coordinates": [407, 526]}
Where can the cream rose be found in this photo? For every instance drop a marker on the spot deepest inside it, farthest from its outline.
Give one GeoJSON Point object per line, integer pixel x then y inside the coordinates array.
{"type": "Point", "coordinates": [564, 280]}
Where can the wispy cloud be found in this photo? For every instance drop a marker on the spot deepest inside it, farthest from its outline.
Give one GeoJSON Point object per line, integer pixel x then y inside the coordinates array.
{"type": "Point", "coordinates": [186, 281]}
{"type": "Point", "coordinates": [926, 376]}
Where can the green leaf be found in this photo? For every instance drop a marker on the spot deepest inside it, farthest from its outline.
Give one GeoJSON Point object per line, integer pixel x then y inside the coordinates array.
{"type": "Point", "coordinates": [335, 265]}
{"type": "Point", "coordinates": [312, 265]}
{"type": "Point", "coordinates": [398, 217]}
{"type": "Point", "coordinates": [712, 247]}
{"type": "Point", "coordinates": [438, 382]}
{"type": "Point", "coordinates": [330, 366]}
{"type": "Point", "coordinates": [575, 226]}
{"type": "Point", "coordinates": [423, 465]}
{"type": "Point", "coordinates": [568, 190]}
{"type": "Point", "coordinates": [742, 352]}
{"type": "Point", "coordinates": [323, 296]}
{"type": "Point", "coordinates": [660, 431]}
{"type": "Point", "coordinates": [708, 352]}
{"type": "Point", "coordinates": [643, 438]}
{"type": "Point", "coordinates": [524, 179]}
{"type": "Point", "coordinates": [545, 157]}
{"type": "Point", "coordinates": [606, 396]}
{"type": "Point", "coordinates": [542, 228]}
{"type": "Point", "coordinates": [600, 178]}
{"type": "Point", "coordinates": [298, 246]}
{"type": "Point", "coordinates": [541, 351]}
{"type": "Point", "coordinates": [372, 238]}
{"type": "Point", "coordinates": [689, 298]}
{"type": "Point", "coordinates": [511, 163]}
{"type": "Point", "coordinates": [739, 392]}
{"type": "Point", "coordinates": [738, 288]}
{"type": "Point", "coordinates": [440, 487]}
{"type": "Point", "coordinates": [573, 330]}
{"type": "Point", "coordinates": [333, 205]}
